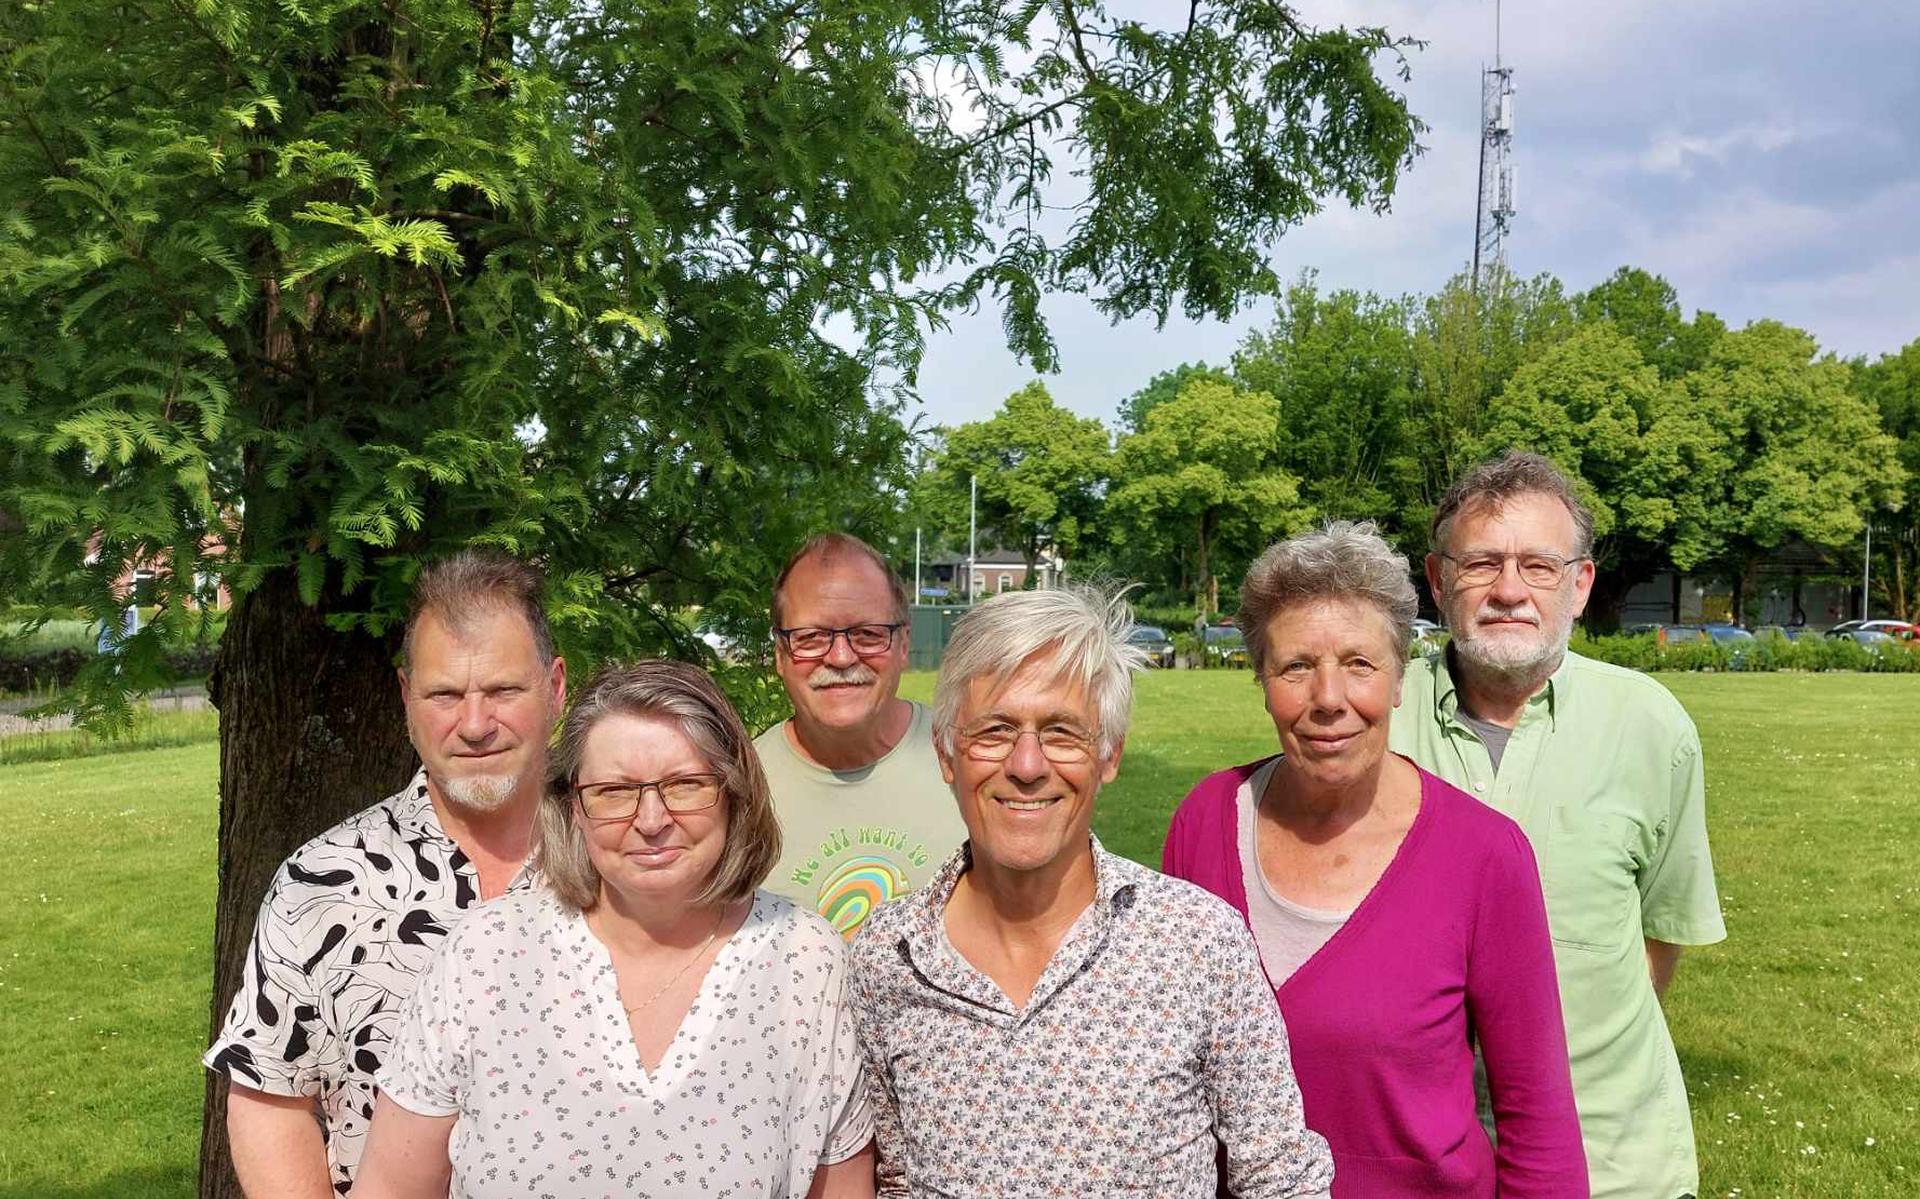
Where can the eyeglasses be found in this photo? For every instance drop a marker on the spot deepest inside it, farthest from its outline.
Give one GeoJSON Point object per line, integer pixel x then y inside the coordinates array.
{"type": "Point", "coordinates": [679, 794]}
{"type": "Point", "coordinates": [1538, 571]}
{"type": "Point", "coordinates": [809, 642]}
{"type": "Point", "coordinates": [994, 741]}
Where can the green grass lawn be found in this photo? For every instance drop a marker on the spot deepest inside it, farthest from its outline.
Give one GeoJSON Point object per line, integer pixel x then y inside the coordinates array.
{"type": "Point", "coordinates": [1801, 1034]}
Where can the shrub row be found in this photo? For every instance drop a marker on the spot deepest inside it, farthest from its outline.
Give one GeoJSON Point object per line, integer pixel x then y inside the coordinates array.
{"type": "Point", "coordinates": [30, 671]}
{"type": "Point", "coordinates": [1769, 653]}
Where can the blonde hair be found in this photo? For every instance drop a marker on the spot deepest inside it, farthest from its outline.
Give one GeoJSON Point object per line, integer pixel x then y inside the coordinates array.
{"type": "Point", "coordinates": [686, 697]}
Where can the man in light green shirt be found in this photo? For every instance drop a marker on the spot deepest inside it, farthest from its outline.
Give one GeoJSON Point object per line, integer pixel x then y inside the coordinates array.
{"type": "Point", "coordinates": [1601, 767]}
{"type": "Point", "coordinates": [865, 815]}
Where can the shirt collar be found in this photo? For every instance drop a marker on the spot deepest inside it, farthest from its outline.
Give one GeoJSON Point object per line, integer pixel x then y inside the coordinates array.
{"type": "Point", "coordinates": [924, 947]}
{"type": "Point", "coordinates": [1545, 702]}
{"type": "Point", "coordinates": [413, 811]}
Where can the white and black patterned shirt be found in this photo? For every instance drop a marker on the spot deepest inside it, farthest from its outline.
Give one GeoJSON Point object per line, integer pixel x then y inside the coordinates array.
{"type": "Point", "coordinates": [347, 926]}
{"type": "Point", "coordinates": [1150, 1038]}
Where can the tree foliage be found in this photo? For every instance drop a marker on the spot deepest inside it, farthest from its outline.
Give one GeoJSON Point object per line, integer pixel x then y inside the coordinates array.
{"type": "Point", "coordinates": [1204, 477]}
{"type": "Point", "coordinates": [1040, 472]}
{"type": "Point", "coordinates": [1766, 444]}
{"type": "Point", "coordinates": [1341, 368]}
{"type": "Point", "coordinates": [1892, 385]}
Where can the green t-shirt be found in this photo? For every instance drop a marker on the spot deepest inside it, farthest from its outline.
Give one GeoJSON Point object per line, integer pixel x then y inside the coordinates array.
{"type": "Point", "coordinates": [853, 839]}
{"type": "Point", "coordinates": [1603, 773]}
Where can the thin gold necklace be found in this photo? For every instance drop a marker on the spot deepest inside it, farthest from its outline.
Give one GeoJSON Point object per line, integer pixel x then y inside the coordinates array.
{"type": "Point", "coordinates": [681, 972]}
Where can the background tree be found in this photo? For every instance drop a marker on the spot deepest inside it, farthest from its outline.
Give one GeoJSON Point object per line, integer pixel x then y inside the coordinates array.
{"type": "Point", "coordinates": [1586, 403]}
{"type": "Point", "coordinates": [1205, 473]}
{"type": "Point", "coordinates": [1777, 446]}
{"type": "Point", "coordinates": [300, 294]}
{"type": "Point", "coordinates": [1040, 471]}
{"type": "Point", "coordinates": [1892, 385]}
{"type": "Point", "coordinates": [1466, 341]}
{"type": "Point", "coordinates": [1644, 307]}
{"type": "Point", "coordinates": [1341, 368]}
{"type": "Point", "coordinates": [1163, 387]}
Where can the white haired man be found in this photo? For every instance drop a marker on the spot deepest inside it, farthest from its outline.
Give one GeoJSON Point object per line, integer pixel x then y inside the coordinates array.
{"type": "Point", "coordinates": [853, 774]}
{"type": "Point", "coordinates": [1601, 768]}
{"type": "Point", "coordinates": [1045, 1018]}
{"type": "Point", "coordinates": [354, 916]}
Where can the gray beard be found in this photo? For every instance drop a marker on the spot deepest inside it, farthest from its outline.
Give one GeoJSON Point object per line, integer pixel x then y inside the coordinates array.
{"type": "Point", "coordinates": [1510, 664]}
{"type": "Point", "coordinates": [481, 792]}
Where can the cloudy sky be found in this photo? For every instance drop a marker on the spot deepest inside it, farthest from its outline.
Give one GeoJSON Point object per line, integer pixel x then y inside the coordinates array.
{"type": "Point", "coordinates": [1763, 156]}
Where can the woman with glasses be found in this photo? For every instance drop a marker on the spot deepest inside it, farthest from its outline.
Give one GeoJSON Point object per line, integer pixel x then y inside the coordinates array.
{"type": "Point", "coordinates": [1400, 921]}
{"type": "Point", "coordinates": [646, 1022]}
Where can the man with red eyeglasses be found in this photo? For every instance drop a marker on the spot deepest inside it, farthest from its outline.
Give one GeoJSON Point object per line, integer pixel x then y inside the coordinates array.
{"type": "Point", "coordinates": [864, 812]}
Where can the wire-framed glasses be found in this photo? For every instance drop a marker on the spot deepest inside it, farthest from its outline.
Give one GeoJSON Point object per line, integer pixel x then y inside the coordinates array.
{"type": "Point", "coordinates": [808, 642]}
{"type": "Point", "coordinates": [1537, 570]}
{"type": "Point", "coordinates": [620, 799]}
{"type": "Point", "coordinates": [994, 741]}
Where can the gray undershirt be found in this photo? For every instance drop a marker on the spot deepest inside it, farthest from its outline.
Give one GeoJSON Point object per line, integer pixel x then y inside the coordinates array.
{"type": "Point", "coordinates": [1286, 933]}
{"type": "Point", "coordinates": [1493, 736]}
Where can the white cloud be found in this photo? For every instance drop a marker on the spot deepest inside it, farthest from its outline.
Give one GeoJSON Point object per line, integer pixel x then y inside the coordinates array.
{"type": "Point", "coordinates": [1676, 153]}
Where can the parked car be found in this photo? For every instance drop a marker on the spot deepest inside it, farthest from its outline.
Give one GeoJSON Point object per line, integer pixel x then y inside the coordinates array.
{"type": "Point", "coordinates": [1428, 637]}
{"type": "Point", "coordinates": [1726, 634]}
{"type": "Point", "coordinates": [1679, 634]}
{"type": "Point", "coordinates": [1155, 642]}
{"type": "Point", "coordinates": [1225, 646]}
{"type": "Point", "coordinates": [1865, 636]}
{"type": "Point", "coordinates": [1899, 630]}
{"type": "Point", "coordinates": [1792, 632]}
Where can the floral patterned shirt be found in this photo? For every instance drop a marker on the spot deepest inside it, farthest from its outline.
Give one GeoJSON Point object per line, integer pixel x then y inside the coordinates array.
{"type": "Point", "coordinates": [1151, 1040]}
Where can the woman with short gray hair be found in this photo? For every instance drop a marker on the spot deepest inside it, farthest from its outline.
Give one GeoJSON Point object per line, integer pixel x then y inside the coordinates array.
{"type": "Point", "coordinates": [1400, 921]}
{"type": "Point", "coordinates": [647, 962]}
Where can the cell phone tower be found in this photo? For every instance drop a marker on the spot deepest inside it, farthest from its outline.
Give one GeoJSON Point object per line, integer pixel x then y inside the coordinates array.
{"type": "Point", "coordinates": [1493, 214]}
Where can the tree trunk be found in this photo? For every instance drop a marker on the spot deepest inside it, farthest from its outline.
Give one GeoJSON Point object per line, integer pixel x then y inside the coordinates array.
{"type": "Point", "coordinates": [310, 731]}
{"type": "Point", "coordinates": [1209, 591]}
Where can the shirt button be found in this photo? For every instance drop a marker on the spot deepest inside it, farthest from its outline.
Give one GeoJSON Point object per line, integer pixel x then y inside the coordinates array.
{"type": "Point", "coordinates": [1479, 784]}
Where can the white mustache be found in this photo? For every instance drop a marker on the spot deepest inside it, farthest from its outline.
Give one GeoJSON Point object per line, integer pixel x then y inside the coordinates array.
{"type": "Point", "coordinates": [1522, 611]}
{"type": "Point", "coordinates": [858, 674]}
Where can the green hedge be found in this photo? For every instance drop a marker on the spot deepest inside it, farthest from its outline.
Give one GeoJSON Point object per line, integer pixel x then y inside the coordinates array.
{"type": "Point", "coordinates": [40, 670]}
{"type": "Point", "coordinates": [1769, 653]}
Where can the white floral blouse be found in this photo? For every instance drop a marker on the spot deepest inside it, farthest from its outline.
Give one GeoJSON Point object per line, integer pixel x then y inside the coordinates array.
{"type": "Point", "coordinates": [517, 1029]}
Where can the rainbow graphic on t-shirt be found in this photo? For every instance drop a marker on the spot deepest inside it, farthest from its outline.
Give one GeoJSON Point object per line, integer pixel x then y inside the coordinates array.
{"type": "Point", "coordinates": [855, 889]}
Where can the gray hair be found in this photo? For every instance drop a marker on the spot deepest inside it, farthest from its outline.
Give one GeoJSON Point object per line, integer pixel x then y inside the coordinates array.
{"type": "Point", "coordinates": [1496, 481]}
{"type": "Point", "coordinates": [1342, 559]}
{"type": "Point", "coordinates": [686, 697]}
{"type": "Point", "coordinates": [477, 581]}
{"type": "Point", "coordinates": [1083, 626]}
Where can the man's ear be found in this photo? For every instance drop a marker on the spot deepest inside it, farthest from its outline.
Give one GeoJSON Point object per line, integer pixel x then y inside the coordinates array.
{"type": "Point", "coordinates": [557, 682]}
{"type": "Point", "coordinates": [1433, 579]}
{"type": "Point", "coordinates": [1110, 765]}
{"type": "Point", "coordinates": [946, 762]}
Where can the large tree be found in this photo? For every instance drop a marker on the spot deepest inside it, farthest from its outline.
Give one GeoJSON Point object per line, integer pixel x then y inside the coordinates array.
{"type": "Point", "coordinates": [1773, 445]}
{"type": "Point", "coordinates": [1586, 403]}
{"type": "Point", "coordinates": [1467, 341]}
{"type": "Point", "coordinates": [297, 294]}
{"type": "Point", "coordinates": [1204, 477]}
{"type": "Point", "coordinates": [1039, 472]}
{"type": "Point", "coordinates": [1341, 367]}
{"type": "Point", "coordinates": [1892, 385]}
{"type": "Point", "coordinates": [1646, 309]}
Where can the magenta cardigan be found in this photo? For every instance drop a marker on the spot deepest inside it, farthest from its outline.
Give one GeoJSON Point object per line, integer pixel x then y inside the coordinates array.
{"type": "Point", "coordinates": [1451, 944]}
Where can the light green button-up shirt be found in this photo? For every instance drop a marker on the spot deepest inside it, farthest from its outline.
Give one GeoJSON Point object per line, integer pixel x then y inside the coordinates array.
{"type": "Point", "coordinates": [1603, 773]}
